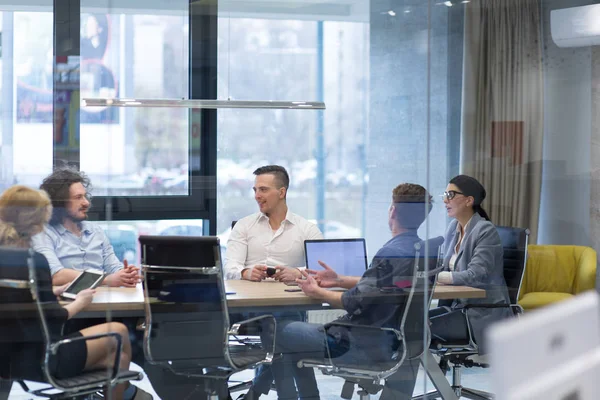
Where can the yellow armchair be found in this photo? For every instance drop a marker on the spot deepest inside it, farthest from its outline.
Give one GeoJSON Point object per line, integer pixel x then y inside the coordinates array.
{"type": "Point", "coordinates": [555, 273]}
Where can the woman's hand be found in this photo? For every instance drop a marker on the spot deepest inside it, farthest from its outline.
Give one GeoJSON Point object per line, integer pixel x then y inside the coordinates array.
{"type": "Point", "coordinates": [58, 290]}
{"type": "Point", "coordinates": [82, 300]}
{"type": "Point", "coordinates": [85, 297]}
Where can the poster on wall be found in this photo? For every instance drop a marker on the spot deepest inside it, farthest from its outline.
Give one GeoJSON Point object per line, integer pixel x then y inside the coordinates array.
{"type": "Point", "coordinates": [100, 60]}
{"type": "Point", "coordinates": [94, 74]}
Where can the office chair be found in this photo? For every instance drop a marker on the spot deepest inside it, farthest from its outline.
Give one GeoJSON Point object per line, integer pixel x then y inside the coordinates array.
{"type": "Point", "coordinates": [514, 245]}
{"type": "Point", "coordinates": [187, 327]}
{"type": "Point", "coordinates": [412, 296]}
{"type": "Point", "coordinates": [24, 312]}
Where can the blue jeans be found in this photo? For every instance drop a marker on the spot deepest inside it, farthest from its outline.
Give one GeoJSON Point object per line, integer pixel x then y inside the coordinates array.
{"type": "Point", "coordinates": [265, 374]}
{"type": "Point", "coordinates": [301, 340]}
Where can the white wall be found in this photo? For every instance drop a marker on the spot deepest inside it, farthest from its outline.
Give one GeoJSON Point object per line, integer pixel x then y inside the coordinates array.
{"type": "Point", "coordinates": [565, 204]}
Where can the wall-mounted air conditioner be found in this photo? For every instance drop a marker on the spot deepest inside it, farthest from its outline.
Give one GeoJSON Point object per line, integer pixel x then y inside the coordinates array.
{"type": "Point", "coordinates": [576, 27]}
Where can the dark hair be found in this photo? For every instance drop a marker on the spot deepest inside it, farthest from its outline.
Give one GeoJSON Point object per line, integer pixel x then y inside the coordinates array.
{"type": "Point", "coordinates": [471, 187]}
{"type": "Point", "coordinates": [281, 176]}
{"type": "Point", "coordinates": [57, 186]}
{"type": "Point", "coordinates": [412, 203]}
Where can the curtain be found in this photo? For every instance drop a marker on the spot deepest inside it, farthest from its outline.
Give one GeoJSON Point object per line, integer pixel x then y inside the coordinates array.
{"type": "Point", "coordinates": [502, 111]}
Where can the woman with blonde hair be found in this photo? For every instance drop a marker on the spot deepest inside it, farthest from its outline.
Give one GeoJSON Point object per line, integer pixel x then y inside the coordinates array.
{"type": "Point", "coordinates": [23, 214]}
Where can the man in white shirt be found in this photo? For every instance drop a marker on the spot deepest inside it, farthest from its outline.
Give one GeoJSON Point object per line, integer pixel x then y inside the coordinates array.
{"type": "Point", "coordinates": [270, 243]}
{"type": "Point", "coordinates": [271, 238]}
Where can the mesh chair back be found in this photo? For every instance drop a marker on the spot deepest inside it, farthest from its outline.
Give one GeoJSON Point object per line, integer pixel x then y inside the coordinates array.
{"type": "Point", "coordinates": [186, 312]}
{"type": "Point", "coordinates": [514, 244]}
{"type": "Point", "coordinates": [427, 266]}
{"type": "Point", "coordinates": [22, 322]}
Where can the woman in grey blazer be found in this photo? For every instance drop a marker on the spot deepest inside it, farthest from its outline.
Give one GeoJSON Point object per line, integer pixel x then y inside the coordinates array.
{"type": "Point", "coordinates": [473, 257]}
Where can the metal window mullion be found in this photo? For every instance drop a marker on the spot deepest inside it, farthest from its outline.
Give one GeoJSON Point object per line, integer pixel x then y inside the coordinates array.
{"type": "Point", "coordinates": [203, 30]}
{"type": "Point", "coordinates": [66, 32]}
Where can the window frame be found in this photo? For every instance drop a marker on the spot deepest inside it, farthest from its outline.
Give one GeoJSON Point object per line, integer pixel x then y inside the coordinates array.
{"type": "Point", "coordinates": [200, 203]}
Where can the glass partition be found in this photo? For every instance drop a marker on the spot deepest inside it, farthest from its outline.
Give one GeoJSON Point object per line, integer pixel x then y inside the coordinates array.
{"type": "Point", "coordinates": [416, 93]}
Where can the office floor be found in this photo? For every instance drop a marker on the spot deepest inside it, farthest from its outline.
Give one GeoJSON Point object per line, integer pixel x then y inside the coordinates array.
{"type": "Point", "coordinates": [330, 387]}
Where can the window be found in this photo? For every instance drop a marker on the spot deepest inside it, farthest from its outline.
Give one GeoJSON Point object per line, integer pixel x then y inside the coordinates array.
{"type": "Point", "coordinates": [136, 158]}
{"type": "Point", "coordinates": [270, 59]}
{"type": "Point", "coordinates": [28, 86]}
{"type": "Point", "coordinates": [135, 151]}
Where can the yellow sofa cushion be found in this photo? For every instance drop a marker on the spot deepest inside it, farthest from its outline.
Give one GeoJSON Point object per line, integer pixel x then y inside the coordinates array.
{"type": "Point", "coordinates": [559, 268]}
{"type": "Point", "coordinates": [534, 300]}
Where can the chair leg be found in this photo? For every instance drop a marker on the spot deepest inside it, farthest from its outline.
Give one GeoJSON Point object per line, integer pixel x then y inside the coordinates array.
{"type": "Point", "coordinates": [428, 396]}
{"type": "Point", "coordinates": [5, 387]}
{"type": "Point", "coordinates": [238, 387]}
{"type": "Point", "coordinates": [456, 380]}
{"type": "Point", "coordinates": [476, 394]}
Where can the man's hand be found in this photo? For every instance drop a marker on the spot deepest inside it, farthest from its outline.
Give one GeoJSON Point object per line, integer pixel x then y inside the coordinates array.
{"type": "Point", "coordinates": [326, 278]}
{"type": "Point", "coordinates": [256, 273]}
{"type": "Point", "coordinates": [131, 269]}
{"type": "Point", "coordinates": [129, 276]}
{"type": "Point", "coordinates": [286, 274]}
{"type": "Point", "coordinates": [310, 286]}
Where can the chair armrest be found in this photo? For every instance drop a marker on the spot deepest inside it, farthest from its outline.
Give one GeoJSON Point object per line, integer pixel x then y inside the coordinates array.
{"type": "Point", "coordinates": [53, 349]}
{"type": "Point", "coordinates": [236, 330]}
{"type": "Point", "coordinates": [366, 327]}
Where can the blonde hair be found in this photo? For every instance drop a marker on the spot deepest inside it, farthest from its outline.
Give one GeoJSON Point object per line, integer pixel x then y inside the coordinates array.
{"type": "Point", "coordinates": [23, 213]}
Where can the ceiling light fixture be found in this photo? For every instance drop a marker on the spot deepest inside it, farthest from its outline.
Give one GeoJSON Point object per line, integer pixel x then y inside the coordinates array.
{"type": "Point", "coordinates": [208, 104]}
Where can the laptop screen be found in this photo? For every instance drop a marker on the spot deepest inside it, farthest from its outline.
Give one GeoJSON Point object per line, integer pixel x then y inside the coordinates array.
{"type": "Point", "coordinates": [344, 256]}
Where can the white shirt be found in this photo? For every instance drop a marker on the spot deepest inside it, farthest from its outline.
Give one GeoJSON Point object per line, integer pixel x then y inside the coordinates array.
{"type": "Point", "coordinates": [253, 242]}
{"type": "Point", "coordinates": [445, 276]}
{"type": "Point", "coordinates": [452, 261]}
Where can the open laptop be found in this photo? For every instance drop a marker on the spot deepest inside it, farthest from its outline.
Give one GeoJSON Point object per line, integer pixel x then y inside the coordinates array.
{"type": "Point", "coordinates": [344, 256]}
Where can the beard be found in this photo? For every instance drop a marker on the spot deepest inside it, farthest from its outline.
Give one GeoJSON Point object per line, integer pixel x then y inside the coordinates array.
{"type": "Point", "coordinates": [76, 218]}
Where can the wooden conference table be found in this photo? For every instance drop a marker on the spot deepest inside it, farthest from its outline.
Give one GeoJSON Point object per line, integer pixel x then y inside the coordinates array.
{"type": "Point", "coordinates": [267, 296]}
{"type": "Point", "coordinates": [243, 296]}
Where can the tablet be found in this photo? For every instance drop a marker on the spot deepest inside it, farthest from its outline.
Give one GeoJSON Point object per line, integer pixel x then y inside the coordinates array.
{"type": "Point", "coordinates": [88, 279]}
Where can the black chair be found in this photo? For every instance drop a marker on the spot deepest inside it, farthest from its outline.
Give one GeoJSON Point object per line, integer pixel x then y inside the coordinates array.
{"type": "Point", "coordinates": [409, 331]}
{"type": "Point", "coordinates": [27, 306]}
{"type": "Point", "coordinates": [514, 244]}
{"type": "Point", "coordinates": [187, 327]}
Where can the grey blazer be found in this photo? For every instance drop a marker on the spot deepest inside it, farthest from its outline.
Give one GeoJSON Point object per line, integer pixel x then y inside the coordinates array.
{"type": "Point", "coordinates": [479, 264]}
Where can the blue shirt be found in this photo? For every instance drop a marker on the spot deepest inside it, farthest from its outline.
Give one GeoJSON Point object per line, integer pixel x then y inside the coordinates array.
{"type": "Point", "coordinates": [63, 249]}
{"type": "Point", "coordinates": [393, 262]}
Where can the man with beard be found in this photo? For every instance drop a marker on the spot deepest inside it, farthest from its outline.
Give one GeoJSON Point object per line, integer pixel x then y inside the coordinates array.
{"type": "Point", "coordinates": [69, 242]}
